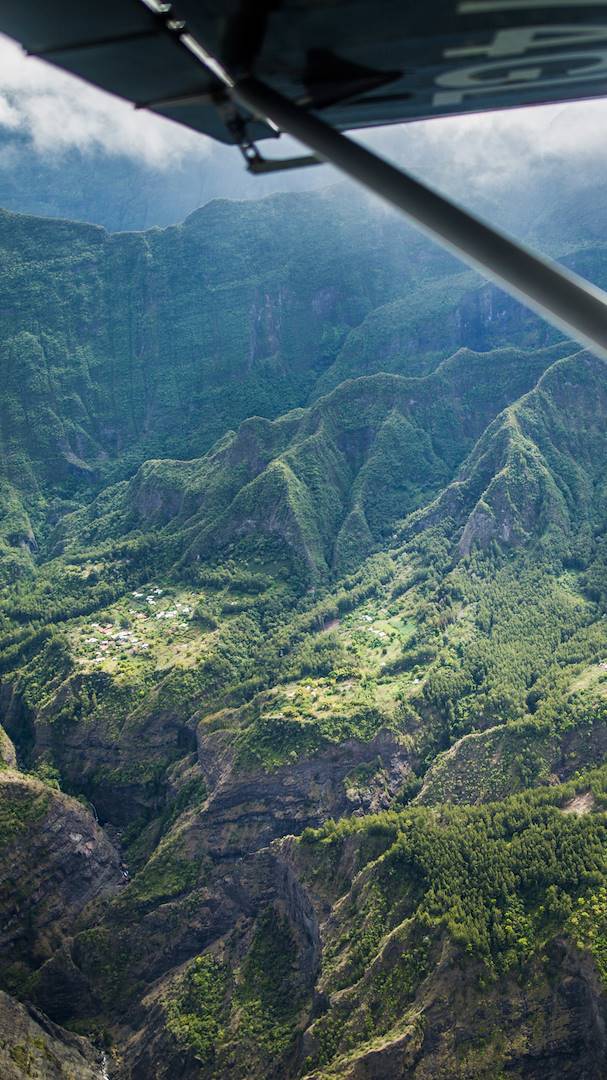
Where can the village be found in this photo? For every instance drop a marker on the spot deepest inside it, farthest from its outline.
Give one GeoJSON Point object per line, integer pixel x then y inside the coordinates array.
{"type": "Point", "coordinates": [151, 624]}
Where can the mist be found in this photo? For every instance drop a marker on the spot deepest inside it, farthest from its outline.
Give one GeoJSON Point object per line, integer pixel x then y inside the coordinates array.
{"type": "Point", "coordinates": [70, 150]}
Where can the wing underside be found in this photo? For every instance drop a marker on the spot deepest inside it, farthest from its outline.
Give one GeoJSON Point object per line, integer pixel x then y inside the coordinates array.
{"type": "Point", "coordinates": [354, 62]}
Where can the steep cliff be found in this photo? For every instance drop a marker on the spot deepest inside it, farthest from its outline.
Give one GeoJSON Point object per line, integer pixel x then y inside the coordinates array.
{"type": "Point", "coordinates": [32, 1046]}
{"type": "Point", "coordinates": [302, 737]}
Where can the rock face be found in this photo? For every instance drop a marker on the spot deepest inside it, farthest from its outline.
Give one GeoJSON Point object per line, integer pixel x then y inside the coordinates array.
{"type": "Point", "coordinates": [8, 754]}
{"type": "Point", "coordinates": [260, 884]}
{"type": "Point", "coordinates": [214, 871]}
{"type": "Point", "coordinates": [32, 1047]}
{"type": "Point", "coordinates": [549, 1025]}
{"type": "Point", "coordinates": [546, 1021]}
{"type": "Point", "coordinates": [247, 809]}
{"type": "Point", "coordinates": [55, 860]}
{"type": "Point", "coordinates": [117, 773]}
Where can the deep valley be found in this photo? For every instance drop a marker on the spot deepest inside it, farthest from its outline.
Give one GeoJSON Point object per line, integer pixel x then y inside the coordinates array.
{"type": "Point", "coordinates": [303, 657]}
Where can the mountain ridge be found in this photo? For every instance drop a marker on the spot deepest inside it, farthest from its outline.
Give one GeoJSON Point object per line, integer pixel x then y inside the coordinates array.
{"type": "Point", "coordinates": [305, 734]}
{"type": "Point", "coordinates": [288, 317]}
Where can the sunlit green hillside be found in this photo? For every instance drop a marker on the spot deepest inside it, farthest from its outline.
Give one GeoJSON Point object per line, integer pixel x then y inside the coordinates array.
{"type": "Point", "coordinates": [303, 658]}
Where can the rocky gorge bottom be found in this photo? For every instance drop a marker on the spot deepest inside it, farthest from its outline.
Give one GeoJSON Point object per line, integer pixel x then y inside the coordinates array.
{"type": "Point", "coordinates": [356, 949]}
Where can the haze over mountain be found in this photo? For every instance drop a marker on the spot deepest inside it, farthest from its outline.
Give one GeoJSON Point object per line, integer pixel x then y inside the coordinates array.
{"type": "Point", "coordinates": [303, 652]}
{"type": "Point", "coordinates": [70, 151]}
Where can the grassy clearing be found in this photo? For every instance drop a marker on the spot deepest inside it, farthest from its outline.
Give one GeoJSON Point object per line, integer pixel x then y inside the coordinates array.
{"type": "Point", "coordinates": [154, 627]}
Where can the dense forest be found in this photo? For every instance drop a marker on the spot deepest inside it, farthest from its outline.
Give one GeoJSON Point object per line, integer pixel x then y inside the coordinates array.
{"type": "Point", "coordinates": [303, 657]}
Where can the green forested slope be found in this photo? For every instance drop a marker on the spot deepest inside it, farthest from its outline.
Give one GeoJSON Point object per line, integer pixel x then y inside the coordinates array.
{"type": "Point", "coordinates": [126, 344]}
{"type": "Point", "coordinates": [328, 482]}
{"type": "Point", "coordinates": [117, 348]}
{"type": "Point", "coordinates": [303, 765]}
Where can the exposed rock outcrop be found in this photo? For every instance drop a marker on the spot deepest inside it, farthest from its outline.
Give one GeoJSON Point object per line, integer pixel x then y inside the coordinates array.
{"type": "Point", "coordinates": [32, 1047]}
{"type": "Point", "coordinates": [55, 860]}
{"type": "Point", "coordinates": [550, 1024]}
{"type": "Point", "coordinates": [248, 808]}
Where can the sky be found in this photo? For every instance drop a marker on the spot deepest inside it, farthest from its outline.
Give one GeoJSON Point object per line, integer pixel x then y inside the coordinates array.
{"type": "Point", "coordinates": [53, 114]}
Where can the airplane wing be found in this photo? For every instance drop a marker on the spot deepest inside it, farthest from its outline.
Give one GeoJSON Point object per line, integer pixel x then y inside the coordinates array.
{"type": "Point", "coordinates": [243, 70]}
{"type": "Point", "coordinates": [356, 63]}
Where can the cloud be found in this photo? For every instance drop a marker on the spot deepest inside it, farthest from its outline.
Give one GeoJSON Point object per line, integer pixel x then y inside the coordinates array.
{"type": "Point", "coordinates": [475, 154]}
{"type": "Point", "coordinates": [58, 112]}
{"type": "Point", "coordinates": [496, 150]}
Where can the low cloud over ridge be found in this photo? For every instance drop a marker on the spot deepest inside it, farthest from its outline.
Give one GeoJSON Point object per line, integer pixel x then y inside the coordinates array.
{"type": "Point", "coordinates": [511, 153]}
{"type": "Point", "coordinates": [59, 112]}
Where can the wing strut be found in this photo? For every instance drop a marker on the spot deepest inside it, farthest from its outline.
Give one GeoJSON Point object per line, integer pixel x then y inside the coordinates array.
{"type": "Point", "coordinates": [570, 303]}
